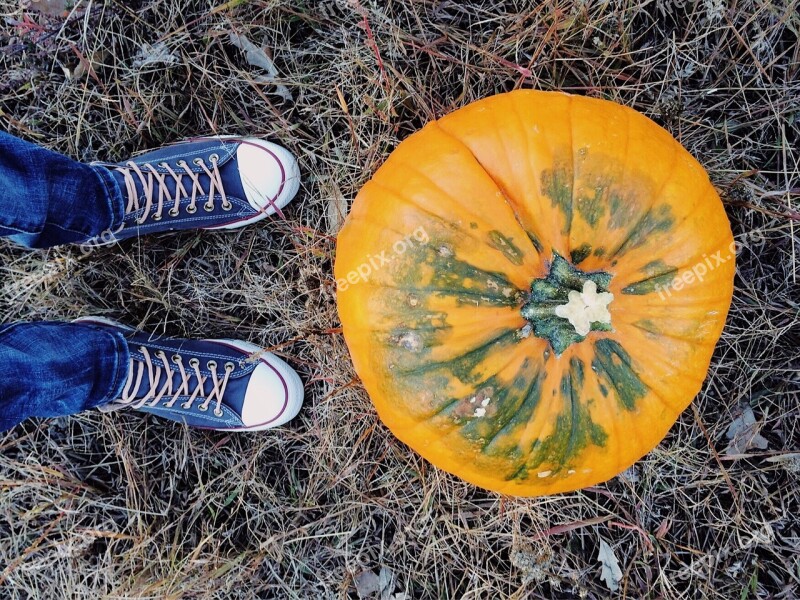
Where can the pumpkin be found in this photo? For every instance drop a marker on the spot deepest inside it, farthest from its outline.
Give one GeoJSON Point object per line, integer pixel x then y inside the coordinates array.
{"type": "Point", "coordinates": [531, 289]}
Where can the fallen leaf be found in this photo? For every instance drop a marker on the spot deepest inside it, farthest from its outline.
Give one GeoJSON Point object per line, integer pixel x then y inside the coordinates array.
{"type": "Point", "coordinates": [337, 211]}
{"type": "Point", "coordinates": [743, 434]}
{"type": "Point", "coordinates": [157, 54]}
{"type": "Point", "coordinates": [386, 580]}
{"type": "Point", "coordinates": [53, 8]}
{"type": "Point", "coordinates": [610, 572]}
{"type": "Point", "coordinates": [368, 583]}
{"type": "Point", "coordinates": [789, 461]}
{"type": "Point", "coordinates": [87, 65]}
{"type": "Point", "coordinates": [258, 58]}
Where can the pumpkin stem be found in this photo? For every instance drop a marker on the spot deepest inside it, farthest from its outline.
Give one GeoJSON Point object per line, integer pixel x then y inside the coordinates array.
{"type": "Point", "coordinates": [565, 306]}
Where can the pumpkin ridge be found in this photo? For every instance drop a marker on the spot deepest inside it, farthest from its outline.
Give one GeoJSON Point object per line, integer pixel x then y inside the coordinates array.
{"type": "Point", "coordinates": [666, 359]}
{"type": "Point", "coordinates": [443, 191]}
{"type": "Point", "coordinates": [657, 273]}
{"type": "Point", "coordinates": [401, 198]}
{"type": "Point", "coordinates": [571, 145]}
{"type": "Point", "coordinates": [535, 385]}
{"type": "Point", "coordinates": [496, 298]}
{"type": "Point", "coordinates": [666, 334]}
{"type": "Point", "coordinates": [479, 352]}
{"type": "Point", "coordinates": [690, 260]}
{"type": "Point", "coordinates": [575, 364]}
{"type": "Point", "coordinates": [445, 268]}
{"type": "Point", "coordinates": [506, 195]}
{"type": "Point", "coordinates": [537, 235]}
{"type": "Point", "coordinates": [657, 194]}
{"type": "Point", "coordinates": [626, 175]}
{"type": "Point", "coordinates": [572, 431]}
{"type": "Point", "coordinates": [628, 392]}
{"type": "Point", "coordinates": [608, 179]}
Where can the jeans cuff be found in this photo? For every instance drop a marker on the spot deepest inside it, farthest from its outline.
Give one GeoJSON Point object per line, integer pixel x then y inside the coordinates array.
{"type": "Point", "coordinates": [121, 359]}
{"type": "Point", "coordinates": [116, 204]}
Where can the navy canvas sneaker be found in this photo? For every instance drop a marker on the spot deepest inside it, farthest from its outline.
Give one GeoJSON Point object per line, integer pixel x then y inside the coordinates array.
{"type": "Point", "coordinates": [206, 183]}
{"type": "Point", "coordinates": [226, 385]}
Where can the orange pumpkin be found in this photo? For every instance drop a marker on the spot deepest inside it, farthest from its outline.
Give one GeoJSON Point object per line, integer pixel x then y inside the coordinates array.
{"type": "Point", "coordinates": [531, 289]}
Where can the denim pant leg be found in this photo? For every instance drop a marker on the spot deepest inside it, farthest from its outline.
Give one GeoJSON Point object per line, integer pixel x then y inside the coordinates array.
{"type": "Point", "coordinates": [51, 369]}
{"type": "Point", "coordinates": [47, 199]}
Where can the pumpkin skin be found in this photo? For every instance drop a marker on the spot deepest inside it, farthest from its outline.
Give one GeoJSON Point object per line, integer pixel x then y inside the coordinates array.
{"type": "Point", "coordinates": [501, 208]}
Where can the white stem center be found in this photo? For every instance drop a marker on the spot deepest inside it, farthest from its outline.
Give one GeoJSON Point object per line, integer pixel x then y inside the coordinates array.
{"type": "Point", "coordinates": [586, 307]}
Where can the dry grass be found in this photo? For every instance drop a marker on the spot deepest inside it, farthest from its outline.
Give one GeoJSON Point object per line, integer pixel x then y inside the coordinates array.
{"type": "Point", "coordinates": [120, 506]}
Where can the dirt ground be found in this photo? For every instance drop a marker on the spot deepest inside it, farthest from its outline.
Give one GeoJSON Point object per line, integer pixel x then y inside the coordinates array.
{"type": "Point", "coordinates": [331, 505]}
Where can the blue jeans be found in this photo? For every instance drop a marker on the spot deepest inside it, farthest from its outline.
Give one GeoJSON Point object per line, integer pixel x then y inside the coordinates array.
{"type": "Point", "coordinates": [50, 369]}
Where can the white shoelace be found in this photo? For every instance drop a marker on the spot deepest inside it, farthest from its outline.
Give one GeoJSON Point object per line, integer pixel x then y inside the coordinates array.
{"type": "Point", "coordinates": [151, 178]}
{"type": "Point", "coordinates": [136, 371]}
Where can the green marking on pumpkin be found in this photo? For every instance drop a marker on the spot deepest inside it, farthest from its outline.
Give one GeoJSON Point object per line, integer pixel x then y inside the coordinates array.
{"type": "Point", "coordinates": [506, 245]}
{"type": "Point", "coordinates": [621, 210]}
{"type": "Point", "coordinates": [657, 274]}
{"type": "Point", "coordinates": [462, 367]}
{"type": "Point", "coordinates": [599, 252]}
{"type": "Point", "coordinates": [592, 208]}
{"type": "Point", "coordinates": [657, 219]}
{"type": "Point", "coordinates": [557, 185]}
{"type": "Point", "coordinates": [535, 241]}
{"type": "Point", "coordinates": [648, 326]}
{"type": "Point", "coordinates": [552, 291]}
{"type": "Point", "coordinates": [473, 225]}
{"type": "Point", "coordinates": [495, 409]}
{"type": "Point", "coordinates": [614, 366]}
{"type": "Point", "coordinates": [580, 254]}
{"type": "Point", "coordinates": [573, 431]}
{"type": "Point", "coordinates": [452, 277]}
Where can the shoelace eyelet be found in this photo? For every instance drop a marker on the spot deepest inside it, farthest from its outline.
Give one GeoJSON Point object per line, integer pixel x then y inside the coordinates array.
{"type": "Point", "coordinates": [191, 209]}
{"type": "Point", "coordinates": [218, 412]}
{"type": "Point", "coordinates": [212, 365]}
{"type": "Point", "coordinates": [226, 206]}
{"type": "Point", "coordinates": [194, 363]}
{"type": "Point", "coordinates": [176, 358]}
{"type": "Point", "coordinates": [173, 212]}
{"type": "Point", "coordinates": [214, 158]}
{"type": "Point", "coordinates": [208, 207]}
{"type": "Point", "coordinates": [186, 406]}
{"type": "Point", "coordinates": [198, 161]}
{"type": "Point", "coordinates": [203, 408]}
{"type": "Point", "coordinates": [156, 217]}
{"type": "Point", "coordinates": [229, 366]}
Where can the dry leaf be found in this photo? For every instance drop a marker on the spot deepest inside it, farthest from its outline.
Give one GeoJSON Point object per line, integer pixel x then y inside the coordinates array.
{"type": "Point", "coordinates": [157, 54]}
{"type": "Point", "coordinates": [371, 585]}
{"type": "Point", "coordinates": [743, 434]}
{"type": "Point", "coordinates": [367, 584]}
{"type": "Point", "coordinates": [789, 461]}
{"type": "Point", "coordinates": [87, 65]}
{"type": "Point", "coordinates": [337, 211]}
{"type": "Point", "coordinates": [53, 8]}
{"type": "Point", "coordinates": [610, 572]}
{"type": "Point", "coordinates": [386, 578]}
{"type": "Point", "coordinates": [258, 58]}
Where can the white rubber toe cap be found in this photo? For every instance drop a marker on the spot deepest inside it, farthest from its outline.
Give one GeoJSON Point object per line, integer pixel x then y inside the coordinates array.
{"type": "Point", "coordinates": [270, 174]}
{"type": "Point", "coordinates": [274, 393]}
